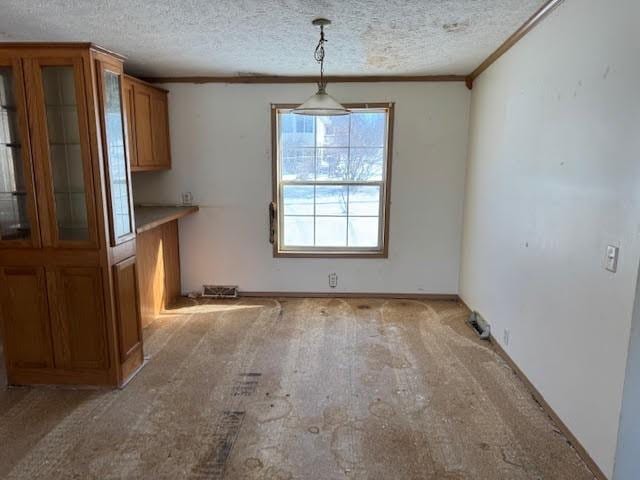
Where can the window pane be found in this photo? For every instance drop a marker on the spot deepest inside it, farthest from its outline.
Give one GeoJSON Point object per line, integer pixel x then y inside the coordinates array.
{"type": "Point", "coordinates": [364, 200]}
{"type": "Point", "coordinates": [296, 131]}
{"type": "Point", "coordinates": [332, 163]}
{"type": "Point", "coordinates": [298, 200]}
{"type": "Point", "coordinates": [331, 231]}
{"type": "Point", "coordinates": [333, 131]}
{"type": "Point", "coordinates": [298, 231]}
{"type": "Point", "coordinates": [298, 164]}
{"type": "Point", "coordinates": [366, 164]}
{"type": "Point", "coordinates": [331, 200]}
{"type": "Point", "coordinates": [367, 129]}
{"type": "Point", "coordinates": [363, 231]}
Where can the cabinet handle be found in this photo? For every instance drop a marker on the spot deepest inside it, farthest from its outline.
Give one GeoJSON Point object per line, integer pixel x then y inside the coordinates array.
{"type": "Point", "coordinates": [272, 222]}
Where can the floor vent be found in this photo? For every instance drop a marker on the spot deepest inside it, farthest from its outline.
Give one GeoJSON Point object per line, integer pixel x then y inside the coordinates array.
{"type": "Point", "coordinates": [479, 325]}
{"type": "Point", "coordinates": [220, 291]}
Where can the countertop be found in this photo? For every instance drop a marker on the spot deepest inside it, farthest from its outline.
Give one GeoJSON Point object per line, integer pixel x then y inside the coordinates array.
{"type": "Point", "coordinates": [152, 216]}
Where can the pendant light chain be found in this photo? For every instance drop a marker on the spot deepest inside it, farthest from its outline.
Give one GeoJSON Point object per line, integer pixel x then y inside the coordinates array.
{"type": "Point", "coordinates": [321, 104]}
{"type": "Point", "coordinates": [319, 56]}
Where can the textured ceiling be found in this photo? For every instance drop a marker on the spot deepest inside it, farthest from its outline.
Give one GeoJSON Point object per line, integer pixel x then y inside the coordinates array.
{"type": "Point", "coordinates": [275, 37]}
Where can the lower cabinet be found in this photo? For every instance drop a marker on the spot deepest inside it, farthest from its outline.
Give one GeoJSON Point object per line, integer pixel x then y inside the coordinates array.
{"type": "Point", "coordinates": [158, 269]}
{"type": "Point", "coordinates": [56, 328]}
{"type": "Point", "coordinates": [25, 310]}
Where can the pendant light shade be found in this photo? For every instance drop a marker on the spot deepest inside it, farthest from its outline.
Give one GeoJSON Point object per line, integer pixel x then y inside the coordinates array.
{"type": "Point", "coordinates": [321, 103]}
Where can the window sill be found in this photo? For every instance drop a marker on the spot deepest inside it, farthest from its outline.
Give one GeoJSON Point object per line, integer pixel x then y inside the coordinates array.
{"type": "Point", "coordinates": [378, 254]}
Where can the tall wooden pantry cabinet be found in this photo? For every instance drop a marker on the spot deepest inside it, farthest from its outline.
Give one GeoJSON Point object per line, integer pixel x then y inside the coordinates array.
{"type": "Point", "coordinates": [69, 305]}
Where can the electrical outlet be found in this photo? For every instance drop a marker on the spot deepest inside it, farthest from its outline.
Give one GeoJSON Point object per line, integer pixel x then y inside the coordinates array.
{"type": "Point", "coordinates": [506, 336]}
{"type": "Point", "coordinates": [187, 198]}
{"type": "Point", "coordinates": [611, 259]}
{"type": "Point", "coordinates": [333, 280]}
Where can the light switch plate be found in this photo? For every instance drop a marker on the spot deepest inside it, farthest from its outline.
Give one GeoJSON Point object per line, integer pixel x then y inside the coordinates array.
{"type": "Point", "coordinates": [187, 198]}
{"type": "Point", "coordinates": [611, 260]}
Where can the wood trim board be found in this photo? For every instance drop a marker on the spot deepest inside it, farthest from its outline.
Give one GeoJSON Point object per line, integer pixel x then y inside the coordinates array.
{"type": "Point", "coordinates": [266, 79]}
{"type": "Point", "coordinates": [525, 28]}
{"type": "Point", "coordinates": [400, 296]}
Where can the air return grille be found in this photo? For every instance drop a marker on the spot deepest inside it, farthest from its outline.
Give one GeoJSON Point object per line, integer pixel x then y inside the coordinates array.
{"type": "Point", "coordinates": [479, 325]}
{"type": "Point", "coordinates": [220, 291]}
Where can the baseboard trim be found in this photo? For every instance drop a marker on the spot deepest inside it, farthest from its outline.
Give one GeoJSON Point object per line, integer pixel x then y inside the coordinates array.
{"type": "Point", "coordinates": [400, 296]}
{"type": "Point", "coordinates": [582, 452]}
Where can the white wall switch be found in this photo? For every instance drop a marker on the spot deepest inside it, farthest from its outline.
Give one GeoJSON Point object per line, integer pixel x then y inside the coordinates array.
{"type": "Point", "coordinates": [611, 260]}
{"type": "Point", "coordinates": [333, 280]}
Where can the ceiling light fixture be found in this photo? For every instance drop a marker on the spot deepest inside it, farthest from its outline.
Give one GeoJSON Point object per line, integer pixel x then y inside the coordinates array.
{"type": "Point", "coordinates": [321, 103]}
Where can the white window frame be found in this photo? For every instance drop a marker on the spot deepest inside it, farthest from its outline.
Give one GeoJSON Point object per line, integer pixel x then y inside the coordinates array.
{"type": "Point", "coordinates": [382, 249]}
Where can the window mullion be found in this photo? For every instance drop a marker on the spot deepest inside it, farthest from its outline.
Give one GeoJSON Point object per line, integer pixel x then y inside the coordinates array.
{"type": "Point", "coordinates": [348, 178]}
{"type": "Point", "coordinates": [315, 173]}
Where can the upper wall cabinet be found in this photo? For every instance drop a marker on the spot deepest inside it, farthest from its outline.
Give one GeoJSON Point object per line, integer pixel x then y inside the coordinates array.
{"type": "Point", "coordinates": [147, 113]}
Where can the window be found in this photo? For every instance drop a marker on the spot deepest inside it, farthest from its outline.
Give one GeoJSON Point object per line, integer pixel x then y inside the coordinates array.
{"type": "Point", "coordinates": [331, 182]}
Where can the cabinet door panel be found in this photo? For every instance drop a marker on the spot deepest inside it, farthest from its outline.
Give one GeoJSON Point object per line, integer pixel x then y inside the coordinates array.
{"type": "Point", "coordinates": [160, 130]}
{"type": "Point", "coordinates": [25, 315]}
{"type": "Point", "coordinates": [60, 134]}
{"type": "Point", "coordinates": [81, 333]}
{"type": "Point", "coordinates": [128, 308]}
{"type": "Point", "coordinates": [151, 278]}
{"type": "Point", "coordinates": [18, 223]}
{"type": "Point", "coordinates": [143, 130]}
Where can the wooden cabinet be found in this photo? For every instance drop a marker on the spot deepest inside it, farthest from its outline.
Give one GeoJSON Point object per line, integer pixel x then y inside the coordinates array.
{"type": "Point", "coordinates": [159, 273]}
{"type": "Point", "coordinates": [148, 125]}
{"type": "Point", "coordinates": [69, 308]}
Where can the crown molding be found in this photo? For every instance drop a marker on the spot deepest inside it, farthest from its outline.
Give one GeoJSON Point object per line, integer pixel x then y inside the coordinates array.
{"type": "Point", "coordinates": [525, 28]}
{"type": "Point", "coordinates": [256, 79]}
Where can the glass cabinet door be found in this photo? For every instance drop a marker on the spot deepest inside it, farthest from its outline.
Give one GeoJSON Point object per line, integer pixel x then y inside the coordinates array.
{"type": "Point", "coordinates": [64, 148]}
{"type": "Point", "coordinates": [66, 152]}
{"type": "Point", "coordinates": [17, 213]}
{"type": "Point", "coordinates": [118, 174]}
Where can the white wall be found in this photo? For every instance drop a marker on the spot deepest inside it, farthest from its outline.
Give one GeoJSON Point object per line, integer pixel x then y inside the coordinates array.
{"type": "Point", "coordinates": [552, 179]}
{"type": "Point", "coordinates": [627, 465]}
{"type": "Point", "coordinates": [220, 137]}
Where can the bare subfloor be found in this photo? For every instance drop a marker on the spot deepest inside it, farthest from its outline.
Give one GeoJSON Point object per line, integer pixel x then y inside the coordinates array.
{"type": "Point", "coordinates": [295, 389]}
